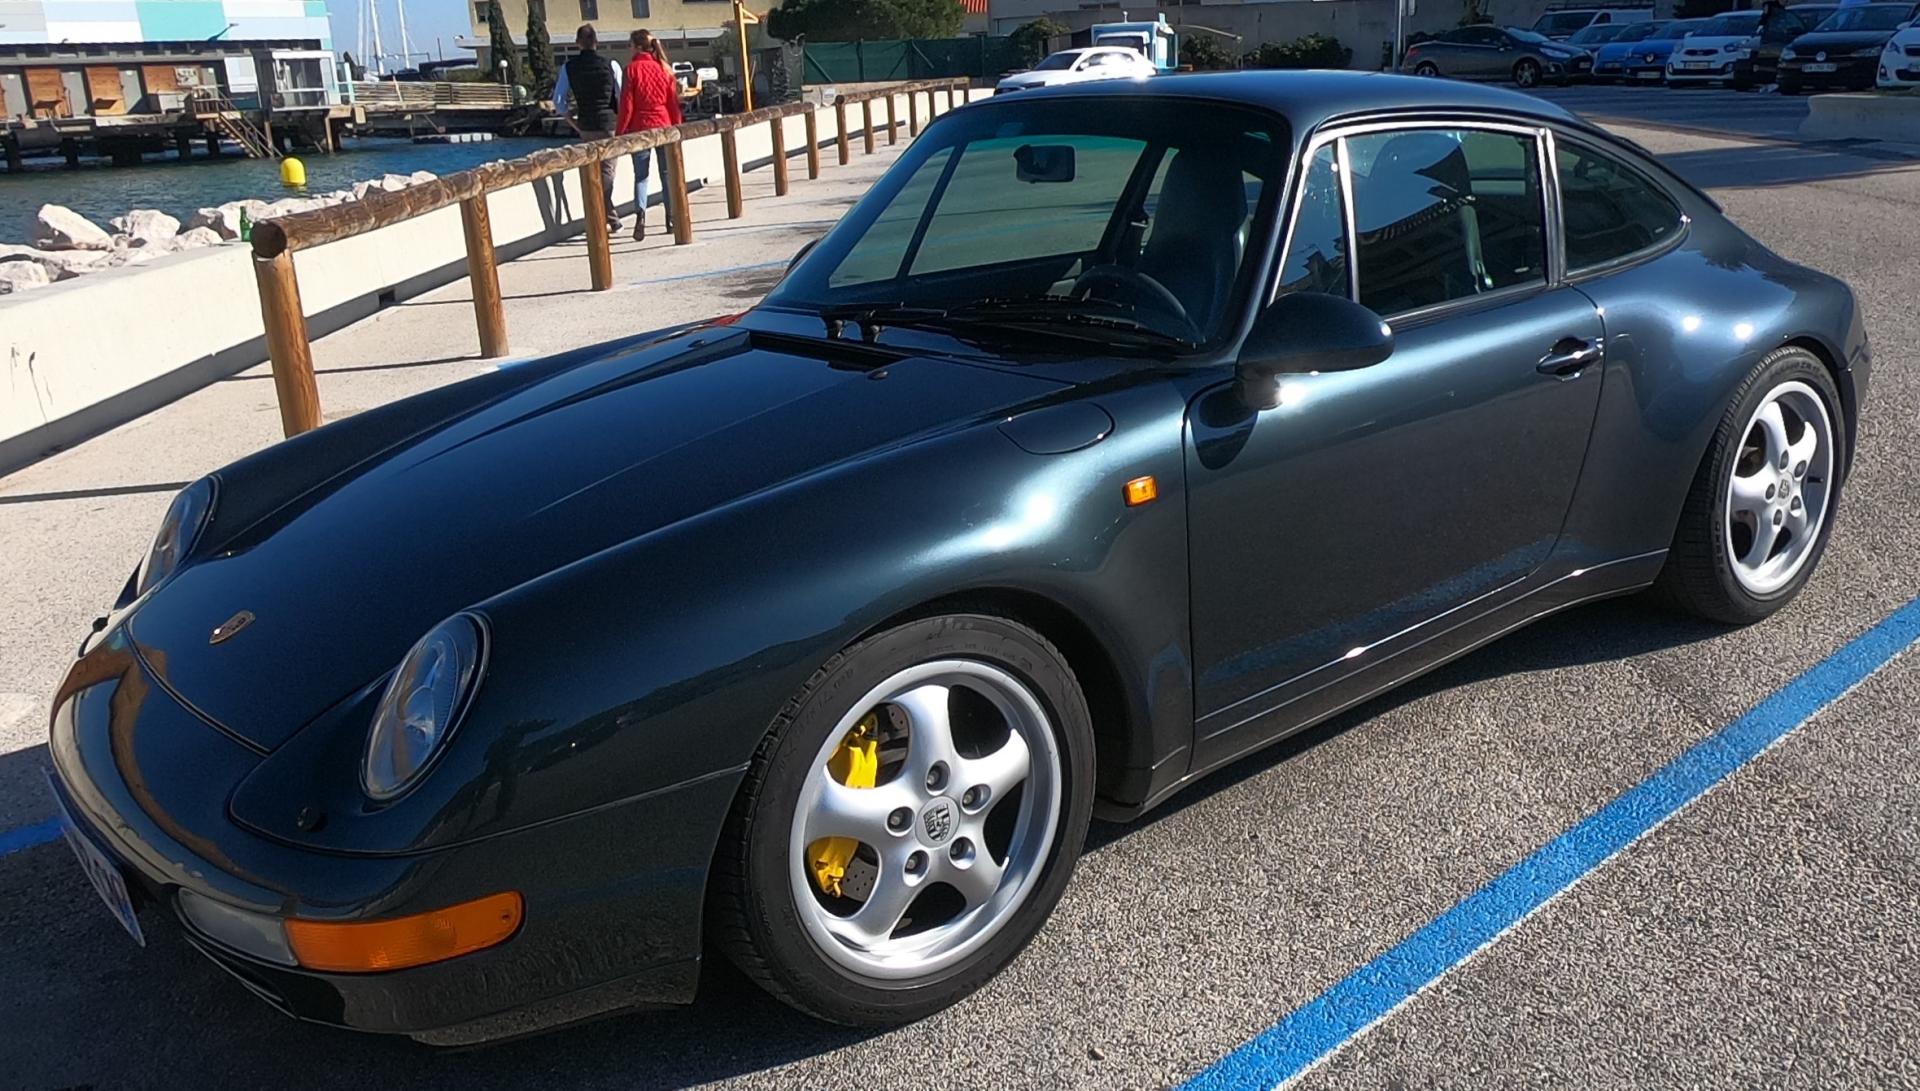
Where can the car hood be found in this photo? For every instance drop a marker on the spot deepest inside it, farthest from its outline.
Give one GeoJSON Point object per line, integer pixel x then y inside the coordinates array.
{"type": "Point", "coordinates": [1716, 42]}
{"type": "Point", "coordinates": [1841, 40]}
{"type": "Point", "coordinates": [1035, 79]}
{"type": "Point", "coordinates": [1659, 47]}
{"type": "Point", "coordinates": [342, 580]}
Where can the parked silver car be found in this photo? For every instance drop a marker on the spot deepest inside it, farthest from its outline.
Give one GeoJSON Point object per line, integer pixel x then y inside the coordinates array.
{"type": "Point", "coordinates": [1498, 53]}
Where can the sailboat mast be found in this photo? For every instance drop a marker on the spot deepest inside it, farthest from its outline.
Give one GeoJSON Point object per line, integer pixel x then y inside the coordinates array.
{"type": "Point", "coordinates": [400, 10]}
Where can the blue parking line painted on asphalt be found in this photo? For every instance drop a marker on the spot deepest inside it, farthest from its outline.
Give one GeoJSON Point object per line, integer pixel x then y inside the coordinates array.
{"type": "Point", "coordinates": [26, 837]}
{"type": "Point", "coordinates": [1312, 1033]}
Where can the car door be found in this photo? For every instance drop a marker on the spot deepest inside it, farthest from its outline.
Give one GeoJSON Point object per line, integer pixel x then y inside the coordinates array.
{"type": "Point", "coordinates": [1333, 532]}
{"type": "Point", "coordinates": [1494, 53]}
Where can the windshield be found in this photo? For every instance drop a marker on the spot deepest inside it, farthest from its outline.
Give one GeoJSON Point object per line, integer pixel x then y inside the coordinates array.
{"type": "Point", "coordinates": [1562, 22]}
{"type": "Point", "coordinates": [1732, 25]}
{"type": "Point", "coordinates": [1867, 17]}
{"type": "Point", "coordinates": [1530, 37]}
{"type": "Point", "coordinates": [1057, 61]}
{"type": "Point", "coordinates": [1634, 32]}
{"type": "Point", "coordinates": [1679, 30]}
{"type": "Point", "coordinates": [1605, 32]}
{"type": "Point", "coordinates": [1132, 215]}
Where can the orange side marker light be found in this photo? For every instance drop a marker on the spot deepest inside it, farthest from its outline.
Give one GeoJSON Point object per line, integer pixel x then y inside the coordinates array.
{"type": "Point", "coordinates": [369, 946]}
{"type": "Point", "coordinates": [1141, 490]}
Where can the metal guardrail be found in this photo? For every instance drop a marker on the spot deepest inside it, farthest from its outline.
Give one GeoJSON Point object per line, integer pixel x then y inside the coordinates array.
{"type": "Point", "coordinates": [276, 240]}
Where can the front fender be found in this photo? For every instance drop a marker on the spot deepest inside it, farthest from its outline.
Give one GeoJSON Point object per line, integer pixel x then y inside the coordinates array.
{"type": "Point", "coordinates": [663, 660]}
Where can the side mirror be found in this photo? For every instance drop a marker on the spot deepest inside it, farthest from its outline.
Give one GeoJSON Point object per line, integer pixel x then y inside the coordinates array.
{"type": "Point", "coordinates": [1307, 332]}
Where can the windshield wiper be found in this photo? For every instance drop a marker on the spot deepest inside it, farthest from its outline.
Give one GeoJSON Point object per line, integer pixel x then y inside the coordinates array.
{"type": "Point", "coordinates": [1048, 309]}
{"type": "Point", "coordinates": [871, 318]}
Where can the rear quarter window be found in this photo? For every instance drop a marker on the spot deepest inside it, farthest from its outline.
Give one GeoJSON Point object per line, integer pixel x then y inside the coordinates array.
{"type": "Point", "coordinates": [1609, 210]}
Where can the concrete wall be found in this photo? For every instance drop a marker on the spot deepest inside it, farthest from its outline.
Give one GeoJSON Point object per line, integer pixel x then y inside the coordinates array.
{"type": "Point", "coordinates": [87, 354]}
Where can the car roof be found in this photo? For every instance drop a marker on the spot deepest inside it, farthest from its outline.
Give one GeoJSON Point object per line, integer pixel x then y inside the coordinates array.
{"type": "Point", "coordinates": [1308, 98]}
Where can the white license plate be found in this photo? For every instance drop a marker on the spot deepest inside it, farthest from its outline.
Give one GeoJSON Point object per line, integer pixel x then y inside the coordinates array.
{"type": "Point", "coordinates": [1820, 68]}
{"type": "Point", "coordinates": [1647, 75]}
{"type": "Point", "coordinates": [101, 872]}
{"type": "Point", "coordinates": [1694, 66]}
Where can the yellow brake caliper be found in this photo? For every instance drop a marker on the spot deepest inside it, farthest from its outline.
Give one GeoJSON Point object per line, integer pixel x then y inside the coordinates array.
{"type": "Point", "coordinates": [855, 764]}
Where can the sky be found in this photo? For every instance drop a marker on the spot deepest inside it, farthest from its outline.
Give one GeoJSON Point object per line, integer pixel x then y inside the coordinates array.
{"type": "Point", "coordinates": [426, 19]}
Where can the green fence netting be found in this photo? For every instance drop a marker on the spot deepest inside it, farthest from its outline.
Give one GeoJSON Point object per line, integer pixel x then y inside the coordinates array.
{"type": "Point", "coordinates": [979, 56]}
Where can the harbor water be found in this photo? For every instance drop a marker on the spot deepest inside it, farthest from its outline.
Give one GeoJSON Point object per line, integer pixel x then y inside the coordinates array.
{"type": "Point", "coordinates": [100, 192]}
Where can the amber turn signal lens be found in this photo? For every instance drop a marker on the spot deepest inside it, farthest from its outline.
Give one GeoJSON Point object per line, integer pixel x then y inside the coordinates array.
{"type": "Point", "coordinates": [1141, 490]}
{"type": "Point", "coordinates": [367, 946]}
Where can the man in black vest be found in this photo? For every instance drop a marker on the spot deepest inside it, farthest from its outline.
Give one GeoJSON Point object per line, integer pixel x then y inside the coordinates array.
{"type": "Point", "coordinates": [587, 94]}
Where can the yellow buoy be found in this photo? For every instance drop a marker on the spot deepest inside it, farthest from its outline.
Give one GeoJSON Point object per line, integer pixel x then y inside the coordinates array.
{"type": "Point", "coordinates": [292, 172]}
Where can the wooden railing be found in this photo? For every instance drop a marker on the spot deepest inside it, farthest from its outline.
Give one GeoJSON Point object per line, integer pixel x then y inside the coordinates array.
{"type": "Point", "coordinates": [276, 240]}
{"type": "Point", "coordinates": [426, 96]}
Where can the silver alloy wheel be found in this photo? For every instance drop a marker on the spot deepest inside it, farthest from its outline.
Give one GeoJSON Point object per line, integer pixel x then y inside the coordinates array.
{"type": "Point", "coordinates": [1526, 74]}
{"type": "Point", "coordinates": [1780, 488]}
{"type": "Point", "coordinates": [926, 824]}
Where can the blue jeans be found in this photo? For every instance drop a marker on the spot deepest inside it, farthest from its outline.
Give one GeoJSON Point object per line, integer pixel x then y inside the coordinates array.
{"type": "Point", "coordinates": [643, 180]}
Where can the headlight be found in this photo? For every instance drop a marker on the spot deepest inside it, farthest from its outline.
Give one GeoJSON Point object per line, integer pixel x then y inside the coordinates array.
{"type": "Point", "coordinates": [1788, 54]}
{"type": "Point", "coordinates": [421, 706]}
{"type": "Point", "coordinates": [186, 517]}
{"type": "Point", "coordinates": [1870, 51]}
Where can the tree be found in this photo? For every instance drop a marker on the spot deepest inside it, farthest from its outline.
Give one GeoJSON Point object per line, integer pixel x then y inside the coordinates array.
{"type": "Point", "coordinates": [1029, 40]}
{"type": "Point", "coordinates": [541, 72]}
{"type": "Point", "coordinates": [1312, 51]}
{"type": "Point", "coordinates": [500, 47]}
{"type": "Point", "coordinates": [852, 20]}
{"type": "Point", "coordinates": [1206, 53]}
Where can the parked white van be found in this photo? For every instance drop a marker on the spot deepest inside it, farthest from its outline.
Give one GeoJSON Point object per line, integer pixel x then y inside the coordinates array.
{"type": "Point", "coordinates": [1562, 23]}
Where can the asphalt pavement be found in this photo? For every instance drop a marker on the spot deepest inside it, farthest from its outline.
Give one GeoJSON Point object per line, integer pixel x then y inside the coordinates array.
{"type": "Point", "coordinates": [1766, 933]}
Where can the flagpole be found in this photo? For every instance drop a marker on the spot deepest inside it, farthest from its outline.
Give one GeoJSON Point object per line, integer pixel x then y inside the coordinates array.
{"type": "Point", "coordinates": [746, 69]}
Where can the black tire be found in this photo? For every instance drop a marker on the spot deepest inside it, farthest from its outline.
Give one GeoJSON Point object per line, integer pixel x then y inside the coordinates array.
{"type": "Point", "coordinates": [1526, 72]}
{"type": "Point", "coordinates": [1698, 577]}
{"type": "Point", "coordinates": [752, 917]}
{"type": "Point", "coordinates": [1427, 69]}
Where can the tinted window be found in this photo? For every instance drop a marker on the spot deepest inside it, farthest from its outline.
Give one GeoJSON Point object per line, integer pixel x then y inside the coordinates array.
{"type": "Point", "coordinates": [1563, 22]}
{"type": "Point", "coordinates": [1733, 25]}
{"type": "Point", "coordinates": [1056, 62]}
{"type": "Point", "coordinates": [1679, 30]}
{"type": "Point", "coordinates": [1317, 250]}
{"type": "Point", "coordinates": [1610, 210]}
{"type": "Point", "coordinates": [1634, 32]}
{"type": "Point", "coordinates": [1444, 214]}
{"type": "Point", "coordinates": [1868, 17]}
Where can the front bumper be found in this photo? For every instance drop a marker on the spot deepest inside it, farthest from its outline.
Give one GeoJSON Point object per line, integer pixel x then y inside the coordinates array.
{"type": "Point", "coordinates": [1847, 72]}
{"type": "Point", "coordinates": [613, 896]}
{"type": "Point", "coordinates": [1716, 72]}
{"type": "Point", "coordinates": [1899, 71]}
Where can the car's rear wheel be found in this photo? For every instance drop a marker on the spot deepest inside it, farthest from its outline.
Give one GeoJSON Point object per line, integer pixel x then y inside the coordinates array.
{"type": "Point", "coordinates": [909, 822]}
{"type": "Point", "coordinates": [1426, 68]}
{"type": "Point", "coordinates": [1526, 73]}
{"type": "Point", "coordinates": [1761, 507]}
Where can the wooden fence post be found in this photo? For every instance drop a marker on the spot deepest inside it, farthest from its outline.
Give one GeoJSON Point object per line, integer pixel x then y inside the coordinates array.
{"type": "Point", "coordinates": [730, 158]}
{"type": "Point", "coordinates": [840, 127]}
{"type": "Point", "coordinates": [866, 124]}
{"type": "Point", "coordinates": [677, 204]}
{"type": "Point", "coordinates": [287, 347]}
{"type": "Point", "coordinates": [488, 313]}
{"type": "Point", "coordinates": [913, 113]}
{"type": "Point", "coordinates": [599, 245]}
{"type": "Point", "coordinates": [779, 158]}
{"type": "Point", "coordinates": [893, 121]}
{"type": "Point", "coordinates": [813, 141]}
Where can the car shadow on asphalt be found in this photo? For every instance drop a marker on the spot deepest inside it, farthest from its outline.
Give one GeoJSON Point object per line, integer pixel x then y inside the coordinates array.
{"type": "Point", "coordinates": [1761, 165]}
{"type": "Point", "coordinates": [108, 1014]}
{"type": "Point", "coordinates": [1614, 629]}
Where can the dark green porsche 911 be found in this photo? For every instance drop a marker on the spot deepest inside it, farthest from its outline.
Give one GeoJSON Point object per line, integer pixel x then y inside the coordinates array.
{"type": "Point", "coordinates": [1121, 430]}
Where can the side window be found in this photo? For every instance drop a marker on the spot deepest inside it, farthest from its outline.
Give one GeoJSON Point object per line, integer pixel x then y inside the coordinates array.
{"type": "Point", "coordinates": [1610, 210]}
{"type": "Point", "coordinates": [1317, 248]}
{"type": "Point", "coordinates": [1445, 214]}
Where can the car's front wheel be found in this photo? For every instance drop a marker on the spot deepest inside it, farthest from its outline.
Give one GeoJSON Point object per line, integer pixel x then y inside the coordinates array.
{"type": "Point", "coordinates": [1526, 73]}
{"type": "Point", "coordinates": [1761, 507]}
{"type": "Point", "coordinates": [909, 822]}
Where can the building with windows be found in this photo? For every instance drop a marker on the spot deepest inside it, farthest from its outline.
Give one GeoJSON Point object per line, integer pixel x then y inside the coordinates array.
{"type": "Point", "coordinates": [86, 58]}
{"type": "Point", "coordinates": [687, 27]}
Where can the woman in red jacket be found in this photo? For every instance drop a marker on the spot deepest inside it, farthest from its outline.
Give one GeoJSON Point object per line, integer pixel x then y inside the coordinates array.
{"type": "Point", "coordinates": [649, 99]}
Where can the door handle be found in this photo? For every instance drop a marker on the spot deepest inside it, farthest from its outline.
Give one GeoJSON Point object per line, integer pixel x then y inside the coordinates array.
{"type": "Point", "coordinates": [1570, 356]}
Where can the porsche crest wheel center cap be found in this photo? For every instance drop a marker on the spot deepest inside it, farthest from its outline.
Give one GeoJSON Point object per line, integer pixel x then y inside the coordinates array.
{"type": "Point", "coordinates": [937, 820]}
